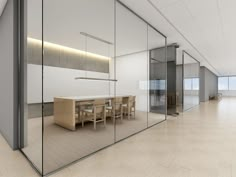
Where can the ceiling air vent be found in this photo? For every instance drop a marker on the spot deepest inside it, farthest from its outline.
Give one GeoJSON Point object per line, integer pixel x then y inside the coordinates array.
{"type": "Point", "coordinates": [2, 6]}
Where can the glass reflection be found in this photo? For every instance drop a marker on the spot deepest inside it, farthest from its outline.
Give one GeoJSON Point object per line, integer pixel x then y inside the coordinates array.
{"type": "Point", "coordinates": [32, 137]}
{"type": "Point", "coordinates": [179, 82]}
{"type": "Point", "coordinates": [79, 47]}
{"type": "Point", "coordinates": [131, 71]}
{"type": "Point", "coordinates": [93, 95]}
{"type": "Point", "coordinates": [191, 81]}
{"type": "Point", "coordinates": [157, 77]}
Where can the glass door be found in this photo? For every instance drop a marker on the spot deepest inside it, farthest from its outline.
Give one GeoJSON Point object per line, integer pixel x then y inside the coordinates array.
{"type": "Point", "coordinates": [157, 77]}
{"type": "Point", "coordinates": [191, 81]}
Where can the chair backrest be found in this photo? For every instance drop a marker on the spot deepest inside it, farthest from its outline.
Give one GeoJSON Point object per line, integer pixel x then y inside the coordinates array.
{"type": "Point", "coordinates": [125, 100]}
{"type": "Point", "coordinates": [116, 103]}
{"type": "Point", "coordinates": [99, 105]}
{"type": "Point", "coordinates": [98, 102]}
{"type": "Point", "coordinates": [131, 100]}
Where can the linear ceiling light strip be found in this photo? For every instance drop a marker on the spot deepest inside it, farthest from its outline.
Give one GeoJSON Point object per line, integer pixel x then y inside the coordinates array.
{"type": "Point", "coordinates": [68, 49]}
{"type": "Point", "coordinates": [96, 38]}
{"type": "Point", "coordinates": [95, 79]}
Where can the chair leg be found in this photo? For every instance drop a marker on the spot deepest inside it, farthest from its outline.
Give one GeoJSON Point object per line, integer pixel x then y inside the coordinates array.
{"type": "Point", "coordinates": [105, 121]}
{"type": "Point", "coordinates": [134, 110]}
{"type": "Point", "coordinates": [128, 113]}
{"type": "Point", "coordinates": [94, 121]}
{"type": "Point", "coordinates": [125, 112]}
{"type": "Point", "coordinates": [113, 117]}
{"type": "Point", "coordinates": [82, 119]}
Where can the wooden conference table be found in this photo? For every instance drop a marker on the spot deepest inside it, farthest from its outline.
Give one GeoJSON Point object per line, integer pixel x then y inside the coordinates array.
{"type": "Point", "coordinates": [65, 109]}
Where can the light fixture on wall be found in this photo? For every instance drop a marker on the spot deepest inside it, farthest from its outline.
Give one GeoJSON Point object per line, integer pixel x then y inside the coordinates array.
{"type": "Point", "coordinates": [68, 49]}
{"type": "Point", "coordinates": [2, 6]}
{"type": "Point", "coordinates": [95, 79]}
{"type": "Point", "coordinates": [96, 38]}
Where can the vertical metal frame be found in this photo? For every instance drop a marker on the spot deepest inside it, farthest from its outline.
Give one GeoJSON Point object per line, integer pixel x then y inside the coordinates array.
{"type": "Point", "coordinates": [43, 88]}
{"type": "Point", "coordinates": [148, 75]}
{"type": "Point", "coordinates": [182, 81]}
{"type": "Point", "coordinates": [22, 51]}
{"type": "Point", "coordinates": [22, 79]}
{"type": "Point", "coordinates": [166, 52]}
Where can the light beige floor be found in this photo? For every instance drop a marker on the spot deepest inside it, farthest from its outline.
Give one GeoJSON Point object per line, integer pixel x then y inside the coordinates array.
{"type": "Point", "coordinates": [13, 163]}
{"type": "Point", "coordinates": [199, 143]}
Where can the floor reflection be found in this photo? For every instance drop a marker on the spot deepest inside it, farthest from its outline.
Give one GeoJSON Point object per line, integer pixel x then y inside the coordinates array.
{"type": "Point", "coordinates": [62, 146]}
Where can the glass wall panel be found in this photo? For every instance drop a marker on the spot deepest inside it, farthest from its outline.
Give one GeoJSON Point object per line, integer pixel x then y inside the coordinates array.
{"type": "Point", "coordinates": [95, 73]}
{"type": "Point", "coordinates": [157, 77]}
{"type": "Point", "coordinates": [131, 71]}
{"type": "Point", "coordinates": [78, 52]}
{"type": "Point", "coordinates": [179, 81]}
{"type": "Point", "coordinates": [31, 132]}
{"type": "Point", "coordinates": [191, 68]}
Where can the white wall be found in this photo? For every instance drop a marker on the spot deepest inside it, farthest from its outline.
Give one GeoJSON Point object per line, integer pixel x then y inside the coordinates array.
{"type": "Point", "coordinates": [61, 82]}
{"type": "Point", "coordinates": [131, 72]}
{"type": "Point", "coordinates": [132, 75]}
{"type": "Point", "coordinates": [208, 84]}
{"type": "Point", "coordinates": [8, 74]}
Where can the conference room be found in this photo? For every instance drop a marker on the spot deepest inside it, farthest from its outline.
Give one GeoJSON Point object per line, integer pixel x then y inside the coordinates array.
{"type": "Point", "coordinates": [83, 91]}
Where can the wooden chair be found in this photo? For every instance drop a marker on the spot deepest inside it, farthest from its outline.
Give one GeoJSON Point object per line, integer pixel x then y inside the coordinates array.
{"type": "Point", "coordinates": [115, 109]}
{"type": "Point", "coordinates": [129, 106]}
{"type": "Point", "coordinates": [95, 114]}
{"type": "Point", "coordinates": [80, 106]}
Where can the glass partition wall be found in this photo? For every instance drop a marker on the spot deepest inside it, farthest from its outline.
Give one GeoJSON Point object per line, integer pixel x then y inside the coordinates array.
{"type": "Point", "coordinates": [191, 69]}
{"type": "Point", "coordinates": [157, 77]}
{"type": "Point", "coordinates": [179, 81]}
{"type": "Point", "coordinates": [131, 69]}
{"type": "Point", "coordinates": [79, 46]}
{"type": "Point", "coordinates": [88, 83]}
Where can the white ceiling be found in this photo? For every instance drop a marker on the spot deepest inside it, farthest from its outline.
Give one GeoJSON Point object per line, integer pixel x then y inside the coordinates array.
{"type": "Point", "coordinates": [204, 28]}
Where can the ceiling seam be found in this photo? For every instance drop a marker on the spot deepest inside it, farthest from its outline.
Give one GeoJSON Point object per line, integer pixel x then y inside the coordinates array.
{"type": "Point", "coordinates": [160, 12]}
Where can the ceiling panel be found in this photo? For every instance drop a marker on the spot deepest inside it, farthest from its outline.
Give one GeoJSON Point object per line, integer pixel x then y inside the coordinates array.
{"type": "Point", "coordinates": [205, 28]}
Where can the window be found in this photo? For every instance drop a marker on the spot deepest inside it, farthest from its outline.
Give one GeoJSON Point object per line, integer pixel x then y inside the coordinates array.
{"type": "Point", "coordinates": [157, 84]}
{"type": "Point", "coordinates": [223, 83]}
{"type": "Point", "coordinates": [187, 84]}
{"type": "Point", "coordinates": [191, 84]}
{"type": "Point", "coordinates": [232, 83]}
{"type": "Point", "coordinates": [195, 84]}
